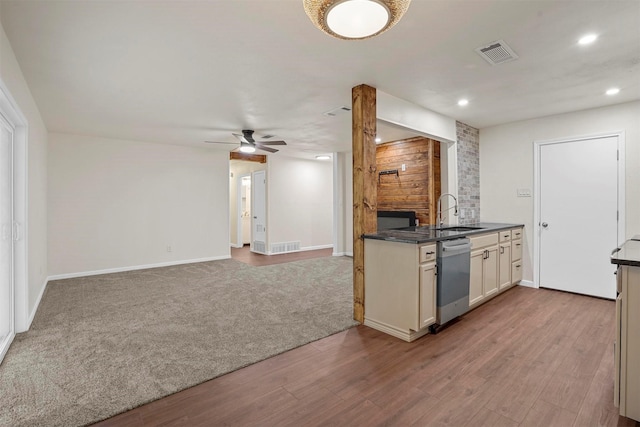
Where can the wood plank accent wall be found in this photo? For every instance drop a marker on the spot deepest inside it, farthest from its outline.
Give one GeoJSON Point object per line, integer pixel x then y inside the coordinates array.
{"type": "Point", "coordinates": [365, 219]}
{"type": "Point", "coordinates": [418, 187]}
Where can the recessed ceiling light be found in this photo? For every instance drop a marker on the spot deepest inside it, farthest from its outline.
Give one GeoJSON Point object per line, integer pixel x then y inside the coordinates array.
{"type": "Point", "coordinates": [323, 157]}
{"type": "Point", "coordinates": [588, 39]}
{"type": "Point", "coordinates": [463, 102]}
{"type": "Point", "coordinates": [612, 91]}
{"type": "Point", "coordinates": [378, 139]}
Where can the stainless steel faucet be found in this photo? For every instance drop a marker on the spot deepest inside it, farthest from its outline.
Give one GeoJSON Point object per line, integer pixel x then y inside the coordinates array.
{"type": "Point", "coordinates": [439, 210]}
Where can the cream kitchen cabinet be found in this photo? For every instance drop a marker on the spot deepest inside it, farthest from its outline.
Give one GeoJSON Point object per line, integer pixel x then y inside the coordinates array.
{"type": "Point", "coordinates": [627, 338]}
{"type": "Point", "coordinates": [516, 256]}
{"type": "Point", "coordinates": [505, 264]}
{"type": "Point", "coordinates": [483, 281]}
{"type": "Point", "coordinates": [400, 297]}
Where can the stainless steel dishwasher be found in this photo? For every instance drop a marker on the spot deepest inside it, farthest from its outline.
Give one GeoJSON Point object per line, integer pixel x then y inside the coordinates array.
{"type": "Point", "coordinates": [453, 261]}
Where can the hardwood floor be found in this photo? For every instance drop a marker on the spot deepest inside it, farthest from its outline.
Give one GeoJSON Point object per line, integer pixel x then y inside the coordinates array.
{"type": "Point", "coordinates": [245, 255]}
{"type": "Point", "coordinates": [528, 357]}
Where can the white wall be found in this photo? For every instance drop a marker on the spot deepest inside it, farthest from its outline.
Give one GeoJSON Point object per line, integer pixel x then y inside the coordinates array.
{"type": "Point", "coordinates": [343, 204]}
{"type": "Point", "coordinates": [506, 163]}
{"type": "Point", "coordinates": [300, 201]}
{"type": "Point", "coordinates": [14, 81]}
{"type": "Point", "coordinates": [116, 204]}
{"type": "Point", "coordinates": [238, 168]}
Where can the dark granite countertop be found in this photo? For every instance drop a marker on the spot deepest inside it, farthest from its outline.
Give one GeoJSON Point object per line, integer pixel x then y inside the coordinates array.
{"type": "Point", "coordinates": [429, 233]}
{"type": "Point", "coordinates": [628, 253]}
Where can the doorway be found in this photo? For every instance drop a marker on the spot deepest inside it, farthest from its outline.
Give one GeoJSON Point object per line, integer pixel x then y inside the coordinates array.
{"type": "Point", "coordinates": [244, 210]}
{"type": "Point", "coordinates": [7, 235]}
{"type": "Point", "coordinates": [579, 201]}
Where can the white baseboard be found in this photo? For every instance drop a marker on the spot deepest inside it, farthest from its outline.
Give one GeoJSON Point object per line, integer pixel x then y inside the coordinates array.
{"type": "Point", "coordinates": [32, 314]}
{"type": "Point", "coordinates": [134, 267]}
{"type": "Point", "coordinates": [233, 245]}
{"type": "Point", "coordinates": [349, 254]}
{"type": "Point", "coordinates": [303, 249]}
{"type": "Point", "coordinates": [527, 283]}
{"type": "Point", "coordinates": [315, 248]}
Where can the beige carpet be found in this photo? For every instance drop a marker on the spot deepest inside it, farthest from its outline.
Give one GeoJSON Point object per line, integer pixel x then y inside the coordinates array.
{"type": "Point", "coordinates": [101, 345]}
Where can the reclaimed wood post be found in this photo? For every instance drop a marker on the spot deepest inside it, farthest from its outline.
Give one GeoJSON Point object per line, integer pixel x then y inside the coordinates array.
{"type": "Point", "coordinates": [365, 183]}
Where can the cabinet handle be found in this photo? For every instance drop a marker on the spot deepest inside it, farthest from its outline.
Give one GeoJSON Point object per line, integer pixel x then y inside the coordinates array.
{"type": "Point", "coordinates": [429, 253]}
{"type": "Point", "coordinates": [501, 249]}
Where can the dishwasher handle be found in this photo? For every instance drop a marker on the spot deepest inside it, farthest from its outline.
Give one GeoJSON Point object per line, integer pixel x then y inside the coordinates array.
{"type": "Point", "coordinates": [454, 247]}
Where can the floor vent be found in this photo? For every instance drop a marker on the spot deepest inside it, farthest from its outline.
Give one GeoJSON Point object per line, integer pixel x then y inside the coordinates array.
{"type": "Point", "coordinates": [284, 247]}
{"type": "Point", "coordinates": [260, 247]}
{"type": "Point", "coordinates": [497, 52]}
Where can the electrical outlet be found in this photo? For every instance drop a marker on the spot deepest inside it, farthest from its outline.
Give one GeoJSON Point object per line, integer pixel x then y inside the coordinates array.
{"type": "Point", "coordinates": [168, 248]}
{"type": "Point", "coordinates": [404, 167]}
{"type": "Point", "coordinates": [523, 192]}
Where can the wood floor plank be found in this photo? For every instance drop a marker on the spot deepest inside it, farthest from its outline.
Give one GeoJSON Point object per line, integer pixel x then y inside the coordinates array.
{"type": "Point", "coordinates": [514, 361]}
{"type": "Point", "coordinates": [245, 255]}
{"type": "Point", "coordinates": [544, 414]}
{"type": "Point", "coordinates": [487, 418]}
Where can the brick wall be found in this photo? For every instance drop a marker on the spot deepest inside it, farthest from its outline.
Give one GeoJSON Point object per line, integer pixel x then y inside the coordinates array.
{"type": "Point", "coordinates": [468, 173]}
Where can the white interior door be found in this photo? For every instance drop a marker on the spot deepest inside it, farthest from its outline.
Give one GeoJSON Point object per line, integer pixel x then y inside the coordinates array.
{"type": "Point", "coordinates": [578, 212]}
{"type": "Point", "coordinates": [7, 326]}
{"type": "Point", "coordinates": [259, 208]}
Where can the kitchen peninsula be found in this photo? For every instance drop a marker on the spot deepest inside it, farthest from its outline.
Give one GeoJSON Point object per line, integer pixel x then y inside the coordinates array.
{"type": "Point", "coordinates": [401, 272]}
{"type": "Point", "coordinates": [627, 347]}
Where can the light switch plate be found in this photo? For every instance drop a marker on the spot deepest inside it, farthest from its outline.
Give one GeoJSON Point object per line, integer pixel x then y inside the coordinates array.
{"type": "Point", "coordinates": [524, 192]}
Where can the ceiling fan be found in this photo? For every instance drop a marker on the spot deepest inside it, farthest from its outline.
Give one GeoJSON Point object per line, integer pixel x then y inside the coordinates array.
{"type": "Point", "coordinates": [249, 145]}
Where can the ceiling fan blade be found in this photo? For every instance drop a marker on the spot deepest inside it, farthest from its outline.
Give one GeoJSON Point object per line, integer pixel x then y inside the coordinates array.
{"type": "Point", "coordinates": [220, 142]}
{"type": "Point", "coordinates": [271, 142]}
{"type": "Point", "coordinates": [269, 149]}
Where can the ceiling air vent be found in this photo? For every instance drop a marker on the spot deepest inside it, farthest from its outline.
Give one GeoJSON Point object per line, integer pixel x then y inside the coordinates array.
{"type": "Point", "coordinates": [336, 111]}
{"type": "Point", "coordinates": [497, 52]}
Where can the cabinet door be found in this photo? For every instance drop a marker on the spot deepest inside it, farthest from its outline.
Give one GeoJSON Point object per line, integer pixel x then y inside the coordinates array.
{"type": "Point", "coordinates": [475, 281]}
{"type": "Point", "coordinates": [516, 253]}
{"type": "Point", "coordinates": [427, 295]}
{"type": "Point", "coordinates": [505, 265]}
{"type": "Point", "coordinates": [516, 271]}
{"type": "Point", "coordinates": [490, 271]}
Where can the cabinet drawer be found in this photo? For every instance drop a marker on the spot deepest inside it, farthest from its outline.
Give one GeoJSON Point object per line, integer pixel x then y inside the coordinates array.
{"type": "Point", "coordinates": [505, 236]}
{"type": "Point", "coordinates": [516, 233]}
{"type": "Point", "coordinates": [516, 271]}
{"type": "Point", "coordinates": [484, 240]}
{"type": "Point", "coordinates": [427, 253]}
{"type": "Point", "coordinates": [516, 250]}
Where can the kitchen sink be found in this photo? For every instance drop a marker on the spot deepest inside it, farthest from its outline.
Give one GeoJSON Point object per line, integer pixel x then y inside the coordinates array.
{"type": "Point", "coordinates": [460, 228]}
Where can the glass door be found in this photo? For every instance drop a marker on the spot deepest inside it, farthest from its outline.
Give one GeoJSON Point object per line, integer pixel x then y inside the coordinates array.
{"type": "Point", "coordinates": [7, 328]}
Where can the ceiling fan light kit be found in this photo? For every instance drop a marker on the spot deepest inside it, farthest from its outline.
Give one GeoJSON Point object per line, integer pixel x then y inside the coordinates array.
{"type": "Point", "coordinates": [355, 19]}
{"type": "Point", "coordinates": [247, 148]}
{"type": "Point", "coordinates": [248, 144]}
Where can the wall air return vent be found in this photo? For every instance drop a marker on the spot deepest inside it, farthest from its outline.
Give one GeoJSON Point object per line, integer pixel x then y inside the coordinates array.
{"type": "Point", "coordinates": [497, 52]}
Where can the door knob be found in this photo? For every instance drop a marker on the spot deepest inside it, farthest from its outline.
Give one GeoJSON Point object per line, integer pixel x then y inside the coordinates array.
{"type": "Point", "coordinates": [544, 225]}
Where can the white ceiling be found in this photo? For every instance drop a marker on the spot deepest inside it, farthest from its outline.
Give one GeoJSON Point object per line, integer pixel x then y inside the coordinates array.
{"type": "Point", "coordinates": [182, 72]}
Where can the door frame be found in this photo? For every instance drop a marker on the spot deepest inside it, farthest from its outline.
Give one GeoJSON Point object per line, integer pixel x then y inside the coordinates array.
{"type": "Point", "coordinates": [537, 146]}
{"type": "Point", "coordinates": [239, 227]}
{"type": "Point", "coordinates": [12, 113]}
{"type": "Point", "coordinates": [253, 210]}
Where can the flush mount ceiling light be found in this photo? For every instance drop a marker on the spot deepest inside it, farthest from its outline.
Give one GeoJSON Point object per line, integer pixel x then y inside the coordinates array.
{"type": "Point", "coordinates": [463, 102]}
{"type": "Point", "coordinates": [355, 19]}
{"type": "Point", "coordinates": [323, 157]}
{"type": "Point", "coordinates": [613, 91]}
